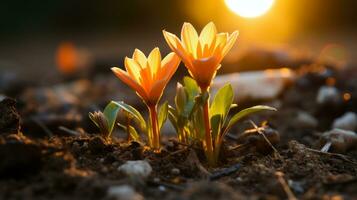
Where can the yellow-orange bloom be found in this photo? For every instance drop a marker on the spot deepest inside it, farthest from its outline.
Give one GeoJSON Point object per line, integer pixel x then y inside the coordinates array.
{"type": "Point", "coordinates": [148, 76]}
{"type": "Point", "coordinates": [201, 54]}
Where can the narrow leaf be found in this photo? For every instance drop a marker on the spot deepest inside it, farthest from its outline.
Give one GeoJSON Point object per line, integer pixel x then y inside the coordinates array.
{"type": "Point", "coordinates": [133, 134]}
{"type": "Point", "coordinates": [216, 125]}
{"type": "Point", "coordinates": [136, 114]}
{"type": "Point", "coordinates": [222, 102]}
{"type": "Point", "coordinates": [111, 112]}
{"type": "Point", "coordinates": [246, 112]}
{"type": "Point", "coordinates": [163, 112]}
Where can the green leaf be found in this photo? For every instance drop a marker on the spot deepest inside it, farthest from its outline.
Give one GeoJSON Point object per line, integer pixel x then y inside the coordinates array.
{"type": "Point", "coordinates": [216, 124]}
{"type": "Point", "coordinates": [222, 102]}
{"type": "Point", "coordinates": [111, 112]}
{"type": "Point", "coordinates": [244, 113]}
{"type": "Point", "coordinates": [191, 87]}
{"type": "Point", "coordinates": [198, 123]}
{"type": "Point", "coordinates": [180, 98]}
{"type": "Point", "coordinates": [132, 131]}
{"type": "Point", "coordinates": [163, 112]}
{"type": "Point", "coordinates": [136, 114]}
{"type": "Point", "coordinates": [233, 106]}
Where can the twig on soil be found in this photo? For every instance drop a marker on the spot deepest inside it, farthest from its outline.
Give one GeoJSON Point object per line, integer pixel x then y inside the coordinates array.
{"type": "Point", "coordinates": [289, 193]}
{"type": "Point", "coordinates": [67, 130]}
{"type": "Point", "coordinates": [239, 146]}
{"type": "Point", "coordinates": [326, 147]}
{"type": "Point", "coordinates": [265, 138]}
{"type": "Point", "coordinates": [336, 155]}
{"type": "Point", "coordinates": [224, 172]}
{"type": "Point", "coordinates": [43, 126]}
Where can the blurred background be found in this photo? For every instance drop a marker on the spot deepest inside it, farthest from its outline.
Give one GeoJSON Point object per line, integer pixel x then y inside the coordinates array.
{"type": "Point", "coordinates": [103, 32]}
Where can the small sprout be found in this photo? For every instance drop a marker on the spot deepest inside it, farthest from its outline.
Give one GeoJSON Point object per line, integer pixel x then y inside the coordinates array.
{"type": "Point", "coordinates": [101, 122]}
{"type": "Point", "coordinates": [105, 120]}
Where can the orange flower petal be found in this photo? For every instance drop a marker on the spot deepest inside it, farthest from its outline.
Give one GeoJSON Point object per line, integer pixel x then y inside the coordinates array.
{"type": "Point", "coordinates": [176, 46]}
{"type": "Point", "coordinates": [230, 42]}
{"type": "Point", "coordinates": [157, 90]}
{"type": "Point", "coordinates": [208, 35]}
{"type": "Point", "coordinates": [206, 68]}
{"type": "Point", "coordinates": [189, 38]}
{"type": "Point", "coordinates": [133, 68]}
{"type": "Point", "coordinates": [221, 39]}
{"type": "Point", "coordinates": [140, 58]}
{"type": "Point", "coordinates": [154, 60]}
{"type": "Point", "coordinates": [125, 77]}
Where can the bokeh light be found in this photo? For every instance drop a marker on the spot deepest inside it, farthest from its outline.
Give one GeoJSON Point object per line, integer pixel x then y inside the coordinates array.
{"type": "Point", "coordinates": [249, 8]}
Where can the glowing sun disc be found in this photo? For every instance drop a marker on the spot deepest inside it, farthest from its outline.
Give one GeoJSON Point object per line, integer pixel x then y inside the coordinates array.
{"type": "Point", "coordinates": [249, 8]}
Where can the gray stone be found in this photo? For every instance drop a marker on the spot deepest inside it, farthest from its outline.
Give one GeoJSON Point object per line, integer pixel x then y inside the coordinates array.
{"type": "Point", "coordinates": [328, 95]}
{"type": "Point", "coordinates": [348, 121]}
{"type": "Point", "coordinates": [305, 120]}
{"type": "Point", "coordinates": [123, 192]}
{"type": "Point", "coordinates": [136, 168]}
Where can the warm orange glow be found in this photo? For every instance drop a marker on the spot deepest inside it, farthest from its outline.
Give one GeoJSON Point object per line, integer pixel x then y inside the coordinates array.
{"type": "Point", "coordinates": [148, 76]}
{"type": "Point", "coordinates": [249, 8]}
{"type": "Point", "coordinates": [201, 54]}
{"type": "Point", "coordinates": [346, 96]}
{"type": "Point", "coordinates": [66, 58]}
{"type": "Point", "coordinates": [330, 81]}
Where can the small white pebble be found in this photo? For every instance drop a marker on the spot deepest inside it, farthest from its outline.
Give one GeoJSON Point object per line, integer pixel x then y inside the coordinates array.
{"type": "Point", "coordinates": [137, 168]}
{"type": "Point", "coordinates": [162, 188]}
{"type": "Point", "coordinates": [123, 192]}
{"type": "Point", "coordinates": [175, 171]}
{"type": "Point", "coordinates": [328, 94]}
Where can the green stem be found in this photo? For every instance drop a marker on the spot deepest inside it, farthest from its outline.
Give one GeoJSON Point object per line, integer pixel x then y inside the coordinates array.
{"type": "Point", "coordinates": [155, 129]}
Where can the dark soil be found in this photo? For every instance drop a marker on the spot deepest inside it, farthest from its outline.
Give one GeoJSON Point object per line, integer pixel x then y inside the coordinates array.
{"type": "Point", "coordinates": [58, 155]}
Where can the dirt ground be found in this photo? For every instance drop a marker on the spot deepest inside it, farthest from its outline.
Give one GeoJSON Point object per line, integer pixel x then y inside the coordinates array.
{"type": "Point", "coordinates": [50, 150]}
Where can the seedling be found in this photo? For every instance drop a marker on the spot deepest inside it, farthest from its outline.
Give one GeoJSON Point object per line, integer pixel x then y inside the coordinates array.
{"type": "Point", "coordinates": [189, 123]}
{"type": "Point", "coordinates": [105, 120]}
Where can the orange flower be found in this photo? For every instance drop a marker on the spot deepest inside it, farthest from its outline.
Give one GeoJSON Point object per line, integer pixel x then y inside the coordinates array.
{"type": "Point", "coordinates": [148, 76]}
{"type": "Point", "coordinates": [201, 54]}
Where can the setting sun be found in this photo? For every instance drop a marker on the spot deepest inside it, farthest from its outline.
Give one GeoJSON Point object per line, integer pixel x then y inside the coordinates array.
{"type": "Point", "coordinates": [249, 8]}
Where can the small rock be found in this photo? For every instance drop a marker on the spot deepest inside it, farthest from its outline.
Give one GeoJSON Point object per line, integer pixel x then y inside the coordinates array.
{"type": "Point", "coordinates": [175, 171]}
{"type": "Point", "coordinates": [2, 97]}
{"type": "Point", "coordinates": [123, 192]}
{"type": "Point", "coordinates": [341, 140]}
{"type": "Point", "coordinates": [162, 188]}
{"type": "Point", "coordinates": [328, 95]}
{"type": "Point", "coordinates": [9, 118]}
{"type": "Point", "coordinates": [305, 120]}
{"type": "Point", "coordinates": [348, 121]}
{"type": "Point", "coordinates": [136, 168]}
{"type": "Point", "coordinates": [257, 85]}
